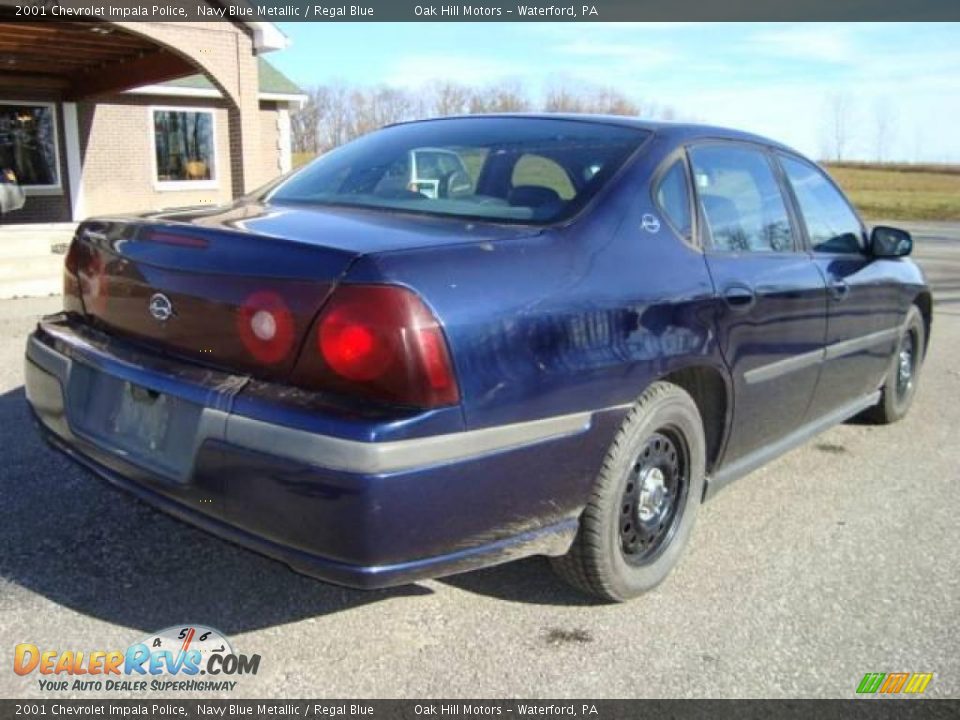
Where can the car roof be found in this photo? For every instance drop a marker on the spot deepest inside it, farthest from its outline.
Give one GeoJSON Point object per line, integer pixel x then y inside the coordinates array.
{"type": "Point", "coordinates": [675, 131]}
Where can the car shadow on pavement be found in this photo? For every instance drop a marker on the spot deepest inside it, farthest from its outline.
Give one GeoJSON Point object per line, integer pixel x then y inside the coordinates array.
{"type": "Point", "coordinates": [524, 581]}
{"type": "Point", "coordinates": [73, 539]}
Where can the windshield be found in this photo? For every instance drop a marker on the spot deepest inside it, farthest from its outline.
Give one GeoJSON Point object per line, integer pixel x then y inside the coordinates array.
{"type": "Point", "coordinates": [528, 170]}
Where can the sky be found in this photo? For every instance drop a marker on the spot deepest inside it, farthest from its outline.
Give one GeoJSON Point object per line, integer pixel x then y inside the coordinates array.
{"type": "Point", "coordinates": [781, 80]}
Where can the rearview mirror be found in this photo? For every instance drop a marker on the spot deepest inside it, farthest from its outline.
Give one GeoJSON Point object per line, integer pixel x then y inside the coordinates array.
{"type": "Point", "coordinates": [890, 242]}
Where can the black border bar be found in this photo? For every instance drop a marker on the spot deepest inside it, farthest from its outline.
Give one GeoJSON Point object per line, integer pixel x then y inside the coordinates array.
{"type": "Point", "coordinates": [481, 10]}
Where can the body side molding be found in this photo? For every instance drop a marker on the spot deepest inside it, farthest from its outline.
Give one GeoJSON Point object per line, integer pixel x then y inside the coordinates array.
{"type": "Point", "coordinates": [764, 455]}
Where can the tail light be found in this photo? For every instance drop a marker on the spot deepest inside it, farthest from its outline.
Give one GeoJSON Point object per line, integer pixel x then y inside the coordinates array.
{"type": "Point", "coordinates": [266, 327]}
{"type": "Point", "coordinates": [71, 283]}
{"type": "Point", "coordinates": [72, 262]}
{"type": "Point", "coordinates": [91, 273]}
{"type": "Point", "coordinates": [379, 342]}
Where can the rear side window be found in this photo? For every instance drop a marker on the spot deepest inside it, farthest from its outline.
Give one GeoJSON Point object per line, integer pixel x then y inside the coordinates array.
{"type": "Point", "coordinates": [740, 200]}
{"type": "Point", "coordinates": [674, 199]}
{"type": "Point", "coordinates": [831, 224]}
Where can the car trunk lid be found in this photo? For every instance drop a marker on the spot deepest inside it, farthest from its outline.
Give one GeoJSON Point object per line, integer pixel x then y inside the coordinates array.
{"type": "Point", "coordinates": [191, 282]}
{"type": "Point", "coordinates": [195, 291]}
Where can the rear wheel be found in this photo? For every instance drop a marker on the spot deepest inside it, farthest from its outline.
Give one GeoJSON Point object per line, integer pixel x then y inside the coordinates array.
{"type": "Point", "coordinates": [644, 501]}
{"type": "Point", "coordinates": [900, 384]}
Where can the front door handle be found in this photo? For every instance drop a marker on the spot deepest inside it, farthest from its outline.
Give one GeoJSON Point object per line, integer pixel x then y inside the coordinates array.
{"type": "Point", "coordinates": [739, 297]}
{"type": "Point", "coordinates": [839, 289]}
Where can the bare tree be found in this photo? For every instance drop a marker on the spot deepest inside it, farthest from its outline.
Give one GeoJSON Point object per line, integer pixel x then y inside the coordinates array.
{"type": "Point", "coordinates": [613, 102]}
{"type": "Point", "coordinates": [333, 116]}
{"type": "Point", "coordinates": [373, 108]}
{"type": "Point", "coordinates": [561, 97]}
{"type": "Point", "coordinates": [336, 113]}
{"type": "Point", "coordinates": [450, 98]}
{"type": "Point", "coordinates": [838, 128]}
{"type": "Point", "coordinates": [303, 128]}
{"type": "Point", "coordinates": [506, 97]}
{"type": "Point", "coordinates": [883, 118]}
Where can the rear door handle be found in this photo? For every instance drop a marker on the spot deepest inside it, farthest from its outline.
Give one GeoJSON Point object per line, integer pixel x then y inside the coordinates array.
{"type": "Point", "coordinates": [839, 289]}
{"type": "Point", "coordinates": [739, 297]}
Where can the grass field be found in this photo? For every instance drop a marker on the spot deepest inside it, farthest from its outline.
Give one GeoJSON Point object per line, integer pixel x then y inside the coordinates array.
{"type": "Point", "coordinates": [880, 191]}
{"type": "Point", "coordinates": [901, 192]}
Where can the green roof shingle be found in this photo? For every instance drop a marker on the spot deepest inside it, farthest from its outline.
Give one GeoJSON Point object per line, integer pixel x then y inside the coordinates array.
{"type": "Point", "coordinates": [274, 81]}
{"type": "Point", "coordinates": [271, 81]}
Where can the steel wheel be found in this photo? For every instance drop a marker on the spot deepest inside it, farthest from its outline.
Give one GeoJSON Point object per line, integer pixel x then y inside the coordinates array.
{"type": "Point", "coordinates": [900, 385]}
{"type": "Point", "coordinates": [653, 497]}
{"type": "Point", "coordinates": [644, 501]}
{"type": "Point", "coordinates": [906, 365]}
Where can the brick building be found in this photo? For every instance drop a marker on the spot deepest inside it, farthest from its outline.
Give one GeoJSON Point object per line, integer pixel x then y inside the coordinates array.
{"type": "Point", "coordinates": [112, 117]}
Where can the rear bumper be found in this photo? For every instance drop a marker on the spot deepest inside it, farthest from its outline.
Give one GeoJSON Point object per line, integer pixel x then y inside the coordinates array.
{"type": "Point", "coordinates": [363, 514]}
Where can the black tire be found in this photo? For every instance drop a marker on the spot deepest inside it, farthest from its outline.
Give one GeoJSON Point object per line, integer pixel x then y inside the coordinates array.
{"type": "Point", "coordinates": [606, 560]}
{"type": "Point", "coordinates": [898, 391]}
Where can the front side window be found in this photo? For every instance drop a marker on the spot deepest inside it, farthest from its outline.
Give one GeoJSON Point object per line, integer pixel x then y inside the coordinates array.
{"type": "Point", "coordinates": [831, 224]}
{"type": "Point", "coordinates": [524, 170]}
{"type": "Point", "coordinates": [184, 147]}
{"type": "Point", "coordinates": [674, 199]}
{"type": "Point", "coordinates": [28, 144]}
{"type": "Point", "coordinates": [740, 200]}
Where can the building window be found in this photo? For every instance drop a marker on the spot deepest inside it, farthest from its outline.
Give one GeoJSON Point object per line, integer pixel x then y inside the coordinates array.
{"type": "Point", "coordinates": [184, 144]}
{"type": "Point", "coordinates": [28, 144]}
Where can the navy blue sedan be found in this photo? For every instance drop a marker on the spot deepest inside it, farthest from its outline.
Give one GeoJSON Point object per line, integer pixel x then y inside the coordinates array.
{"type": "Point", "coordinates": [555, 335]}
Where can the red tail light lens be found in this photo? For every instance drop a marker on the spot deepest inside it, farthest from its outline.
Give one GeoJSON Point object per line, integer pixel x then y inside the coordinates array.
{"type": "Point", "coordinates": [94, 281]}
{"type": "Point", "coordinates": [381, 342]}
{"type": "Point", "coordinates": [72, 261]}
{"type": "Point", "coordinates": [71, 283]}
{"type": "Point", "coordinates": [354, 350]}
{"type": "Point", "coordinates": [266, 328]}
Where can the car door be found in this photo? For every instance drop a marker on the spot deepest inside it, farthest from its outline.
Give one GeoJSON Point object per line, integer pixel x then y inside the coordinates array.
{"type": "Point", "coordinates": [771, 309]}
{"type": "Point", "coordinates": [863, 299]}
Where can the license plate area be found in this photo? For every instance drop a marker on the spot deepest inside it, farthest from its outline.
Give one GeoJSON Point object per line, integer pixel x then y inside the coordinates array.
{"type": "Point", "coordinates": [142, 417]}
{"type": "Point", "coordinates": [151, 429]}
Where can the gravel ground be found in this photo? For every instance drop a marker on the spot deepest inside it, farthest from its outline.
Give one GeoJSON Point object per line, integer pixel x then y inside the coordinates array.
{"type": "Point", "coordinates": [836, 560]}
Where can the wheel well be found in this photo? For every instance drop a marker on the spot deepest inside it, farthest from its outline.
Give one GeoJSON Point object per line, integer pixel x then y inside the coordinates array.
{"type": "Point", "coordinates": [925, 302]}
{"type": "Point", "coordinates": [709, 391]}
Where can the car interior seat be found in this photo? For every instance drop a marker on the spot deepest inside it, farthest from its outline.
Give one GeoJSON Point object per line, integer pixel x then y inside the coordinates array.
{"type": "Point", "coordinates": [532, 196]}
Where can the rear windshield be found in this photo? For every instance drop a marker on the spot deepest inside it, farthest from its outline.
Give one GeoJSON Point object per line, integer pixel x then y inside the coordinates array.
{"type": "Point", "coordinates": [525, 170]}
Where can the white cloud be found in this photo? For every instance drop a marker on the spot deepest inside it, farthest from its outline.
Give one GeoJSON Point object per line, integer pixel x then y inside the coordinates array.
{"type": "Point", "coordinates": [639, 56]}
{"type": "Point", "coordinates": [415, 70]}
{"type": "Point", "coordinates": [773, 79]}
{"type": "Point", "coordinates": [826, 43]}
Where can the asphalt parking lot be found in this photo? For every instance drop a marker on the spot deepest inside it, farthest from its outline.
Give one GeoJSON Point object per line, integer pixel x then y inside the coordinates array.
{"type": "Point", "coordinates": [836, 560]}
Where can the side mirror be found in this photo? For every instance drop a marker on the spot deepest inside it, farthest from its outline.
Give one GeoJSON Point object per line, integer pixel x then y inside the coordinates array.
{"type": "Point", "coordinates": [889, 242]}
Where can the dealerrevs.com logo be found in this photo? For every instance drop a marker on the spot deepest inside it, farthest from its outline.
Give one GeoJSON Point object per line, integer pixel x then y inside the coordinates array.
{"type": "Point", "coordinates": [187, 658]}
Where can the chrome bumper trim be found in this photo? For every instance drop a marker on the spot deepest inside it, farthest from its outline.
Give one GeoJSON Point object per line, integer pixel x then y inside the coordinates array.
{"type": "Point", "coordinates": [384, 457]}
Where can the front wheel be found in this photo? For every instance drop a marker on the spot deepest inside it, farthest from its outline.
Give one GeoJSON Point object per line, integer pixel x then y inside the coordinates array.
{"type": "Point", "coordinates": [900, 384]}
{"type": "Point", "coordinates": [644, 501]}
